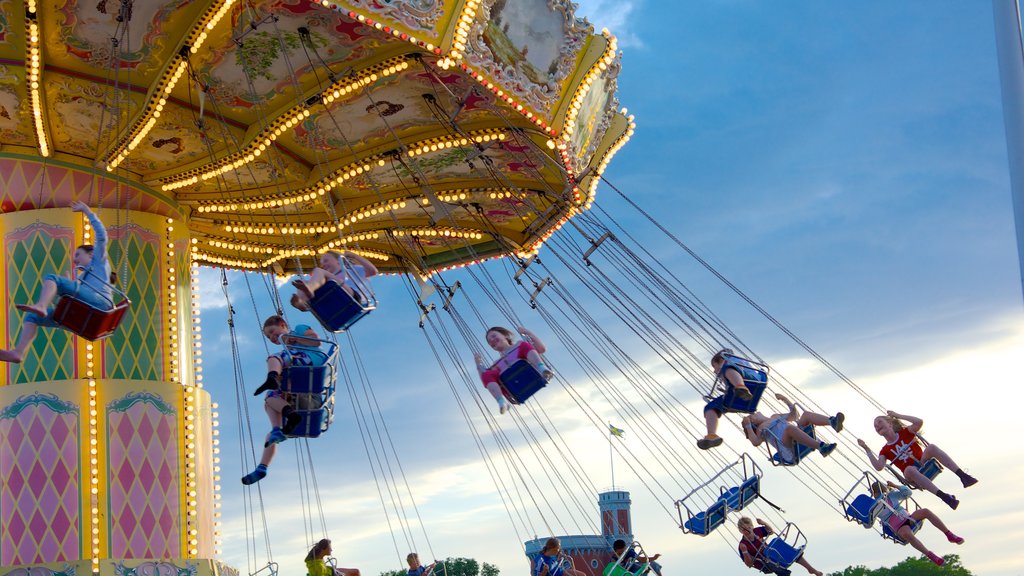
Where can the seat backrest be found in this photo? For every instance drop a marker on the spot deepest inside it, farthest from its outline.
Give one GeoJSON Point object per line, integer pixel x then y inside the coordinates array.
{"type": "Point", "coordinates": [755, 379]}
{"type": "Point", "coordinates": [335, 308]}
{"type": "Point", "coordinates": [749, 490]}
{"type": "Point", "coordinates": [520, 381]}
{"type": "Point", "coordinates": [930, 468]}
{"type": "Point", "coordinates": [704, 522]}
{"type": "Point", "coordinates": [861, 509]}
{"type": "Point", "coordinates": [312, 423]}
{"type": "Point", "coordinates": [780, 553]}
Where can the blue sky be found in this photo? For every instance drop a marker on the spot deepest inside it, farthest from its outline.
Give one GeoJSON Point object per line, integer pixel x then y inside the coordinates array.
{"type": "Point", "coordinates": [845, 166]}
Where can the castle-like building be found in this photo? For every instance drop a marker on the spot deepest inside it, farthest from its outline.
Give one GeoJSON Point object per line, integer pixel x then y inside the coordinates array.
{"type": "Point", "coordinates": [590, 553]}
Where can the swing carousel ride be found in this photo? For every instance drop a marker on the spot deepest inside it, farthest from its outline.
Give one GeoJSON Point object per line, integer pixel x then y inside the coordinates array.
{"type": "Point", "coordinates": [420, 135]}
{"type": "Point", "coordinates": [250, 135]}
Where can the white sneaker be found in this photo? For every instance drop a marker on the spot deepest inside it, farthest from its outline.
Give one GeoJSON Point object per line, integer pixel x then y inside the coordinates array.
{"type": "Point", "coordinates": [502, 407]}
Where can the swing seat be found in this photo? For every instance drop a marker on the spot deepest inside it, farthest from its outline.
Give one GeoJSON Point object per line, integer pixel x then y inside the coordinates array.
{"type": "Point", "coordinates": [308, 379]}
{"type": "Point", "coordinates": [88, 321]}
{"type": "Point", "coordinates": [702, 523]}
{"type": "Point", "coordinates": [616, 569]}
{"type": "Point", "coordinates": [312, 424]}
{"type": "Point", "coordinates": [779, 553]}
{"type": "Point", "coordinates": [520, 381]}
{"type": "Point", "coordinates": [737, 497]}
{"type": "Point", "coordinates": [755, 378]}
{"type": "Point", "coordinates": [860, 510]}
{"type": "Point", "coordinates": [930, 468]}
{"type": "Point", "coordinates": [799, 450]}
{"type": "Point", "coordinates": [336, 309]}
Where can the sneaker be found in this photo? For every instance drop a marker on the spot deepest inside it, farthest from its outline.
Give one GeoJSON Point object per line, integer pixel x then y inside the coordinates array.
{"type": "Point", "coordinates": [826, 449]}
{"type": "Point", "coordinates": [836, 422]}
{"type": "Point", "coordinates": [502, 407]}
{"type": "Point", "coordinates": [709, 441]}
{"type": "Point", "coordinates": [950, 501]}
{"type": "Point", "coordinates": [954, 538]}
{"type": "Point", "coordinates": [938, 560]}
{"type": "Point", "coordinates": [276, 437]}
{"type": "Point", "coordinates": [547, 375]}
{"type": "Point", "coordinates": [744, 394]}
{"type": "Point", "coordinates": [966, 479]}
{"type": "Point", "coordinates": [290, 422]}
{"type": "Point", "coordinates": [254, 476]}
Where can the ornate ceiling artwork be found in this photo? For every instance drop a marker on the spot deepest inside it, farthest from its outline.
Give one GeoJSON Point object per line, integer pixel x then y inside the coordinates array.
{"type": "Point", "coordinates": [423, 134]}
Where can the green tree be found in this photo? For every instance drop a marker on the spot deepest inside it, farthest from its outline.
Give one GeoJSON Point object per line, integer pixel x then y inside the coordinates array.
{"type": "Point", "coordinates": [456, 567]}
{"type": "Point", "coordinates": [913, 566]}
{"type": "Point", "coordinates": [462, 567]}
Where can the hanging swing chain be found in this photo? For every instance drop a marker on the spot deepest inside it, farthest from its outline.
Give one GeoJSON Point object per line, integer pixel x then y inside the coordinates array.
{"type": "Point", "coordinates": [244, 424]}
{"type": "Point", "coordinates": [747, 298]}
{"type": "Point", "coordinates": [820, 478]}
{"type": "Point", "coordinates": [370, 394]}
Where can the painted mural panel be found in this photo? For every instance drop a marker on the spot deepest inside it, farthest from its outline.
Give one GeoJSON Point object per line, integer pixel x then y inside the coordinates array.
{"type": "Point", "coordinates": [40, 508]}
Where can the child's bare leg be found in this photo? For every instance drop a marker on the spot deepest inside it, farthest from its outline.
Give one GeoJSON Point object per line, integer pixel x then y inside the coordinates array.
{"type": "Point", "coordinates": [812, 418]}
{"type": "Point", "coordinates": [794, 434]}
{"type": "Point", "coordinates": [317, 278]}
{"type": "Point", "coordinates": [47, 292]}
{"type": "Point", "coordinates": [17, 354]}
{"type": "Point", "coordinates": [811, 569]}
{"type": "Point", "coordinates": [908, 536]}
{"type": "Point", "coordinates": [922, 514]}
{"type": "Point", "coordinates": [274, 364]}
{"type": "Point", "coordinates": [300, 301]}
{"type": "Point", "coordinates": [269, 450]}
{"type": "Point", "coordinates": [273, 407]}
{"type": "Point", "coordinates": [933, 451]}
{"type": "Point", "coordinates": [711, 419]}
{"type": "Point", "coordinates": [919, 480]}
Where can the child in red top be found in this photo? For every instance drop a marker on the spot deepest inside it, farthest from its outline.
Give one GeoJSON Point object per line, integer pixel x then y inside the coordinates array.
{"type": "Point", "coordinates": [751, 546]}
{"type": "Point", "coordinates": [903, 448]}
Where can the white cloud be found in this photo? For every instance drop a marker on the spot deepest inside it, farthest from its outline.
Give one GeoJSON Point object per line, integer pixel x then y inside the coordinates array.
{"type": "Point", "coordinates": [613, 15]}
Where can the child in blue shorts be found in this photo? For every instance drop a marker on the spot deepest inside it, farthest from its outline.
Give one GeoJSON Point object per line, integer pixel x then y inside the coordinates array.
{"type": "Point", "coordinates": [301, 348]}
{"type": "Point", "coordinates": [92, 284]}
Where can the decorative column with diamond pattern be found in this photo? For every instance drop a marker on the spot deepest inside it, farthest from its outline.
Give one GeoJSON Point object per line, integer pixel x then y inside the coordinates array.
{"type": "Point", "coordinates": [94, 437]}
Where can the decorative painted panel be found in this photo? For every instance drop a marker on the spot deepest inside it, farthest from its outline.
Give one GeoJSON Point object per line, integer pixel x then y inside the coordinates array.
{"type": "Point", "coordinates": [30, 253]}
{"type": "Point", "coordinates": [40, 507]}
{"type": "Point", "coordinates": [143, 468]}
{"type": "Point", "coordinates": [134, 351]}
{"type": "Point", "coordinates": [529, 47]}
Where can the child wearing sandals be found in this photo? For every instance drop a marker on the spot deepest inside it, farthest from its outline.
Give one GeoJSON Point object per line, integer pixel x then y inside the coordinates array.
{"type": "Point", "coordinates": [890, 513]}
{"type": "Point", "coordinates": [332, 267]}
{"type": "Point", "coordinates": [301, 348]}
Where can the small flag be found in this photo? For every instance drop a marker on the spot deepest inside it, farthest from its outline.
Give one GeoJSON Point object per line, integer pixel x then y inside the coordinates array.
{"type": "Point", "coordinates": [618, 432]}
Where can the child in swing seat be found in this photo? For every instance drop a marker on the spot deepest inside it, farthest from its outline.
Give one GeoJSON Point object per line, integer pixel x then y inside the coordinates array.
{"type": "Point", "coordinates": [890, 513]}
{"type": "Point", "coordinates": [352, 277]}
{"type": "Point", "coordinates": [777, 431]}
{"type": "Point", "coordinates": [92, 284]}
{"type": "Point", "coordinates": [316, 566]}
{"type": "Point", "coordinates": [502, 341]}
{"type": "Point", "coordinates": [903, 449]}
{"type": "Point", "coordinates": [301, 348]}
